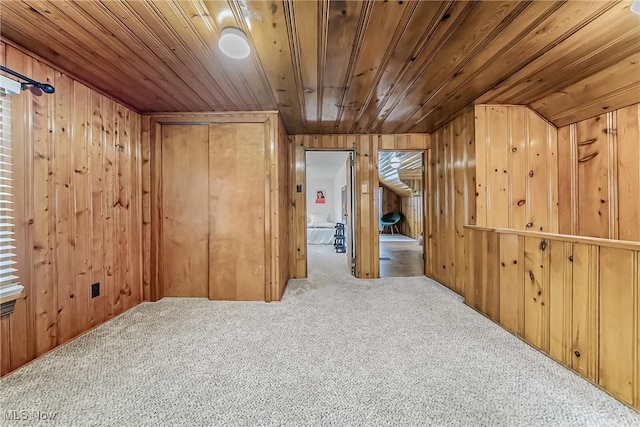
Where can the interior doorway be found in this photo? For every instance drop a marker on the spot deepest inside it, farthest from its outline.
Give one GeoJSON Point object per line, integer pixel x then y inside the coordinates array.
{"type": "Point", "coordinates": [329, 208]}
{"type": "Point", "coordinates": [401, 211]}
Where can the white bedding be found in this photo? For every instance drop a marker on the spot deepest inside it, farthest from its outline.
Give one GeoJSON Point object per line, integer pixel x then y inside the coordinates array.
{"type": "Point", "coordinates": [320, 233]}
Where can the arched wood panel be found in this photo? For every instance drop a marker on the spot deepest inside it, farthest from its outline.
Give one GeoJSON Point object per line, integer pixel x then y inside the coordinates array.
{"type": "Point", "coordinates": [517, 167]}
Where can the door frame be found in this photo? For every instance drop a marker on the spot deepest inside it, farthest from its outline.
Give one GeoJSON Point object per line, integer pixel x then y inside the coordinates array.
{"type": "Point", "coordinates": [301, 215]}
{"type": "Point", "coordinates": [425, 200]}
{"type": "Point", "coordinates": [152, 194]}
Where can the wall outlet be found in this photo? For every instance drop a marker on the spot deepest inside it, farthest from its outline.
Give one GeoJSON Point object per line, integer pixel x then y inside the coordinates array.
{"type": "Point", "coordinates": [95, 290]}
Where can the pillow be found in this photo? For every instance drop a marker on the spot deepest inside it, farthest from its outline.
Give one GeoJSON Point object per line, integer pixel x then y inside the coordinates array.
{"type": "Point", "coordinates": [318, 218]}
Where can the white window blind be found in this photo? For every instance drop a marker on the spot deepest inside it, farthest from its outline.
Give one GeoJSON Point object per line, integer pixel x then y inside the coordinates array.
{"type": "Point", "coordinates": [9, 285]}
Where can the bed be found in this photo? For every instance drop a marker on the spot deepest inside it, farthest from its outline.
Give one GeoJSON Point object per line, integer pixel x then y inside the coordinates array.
{"type": "Point", "coordinates": [320, 231]}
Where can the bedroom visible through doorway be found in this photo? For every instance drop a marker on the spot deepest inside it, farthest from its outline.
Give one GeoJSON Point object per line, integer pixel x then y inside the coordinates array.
{"type": "Point", "coordinates": [329, 207]}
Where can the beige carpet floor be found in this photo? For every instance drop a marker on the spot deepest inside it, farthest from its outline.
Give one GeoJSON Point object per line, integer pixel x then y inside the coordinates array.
{"type": "Point", "coordinates": [336, 351]}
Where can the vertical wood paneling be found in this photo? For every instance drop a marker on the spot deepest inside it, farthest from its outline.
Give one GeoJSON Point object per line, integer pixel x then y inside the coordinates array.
{"type": "Point", "coordinates": [44, 209]}
{"type": "Point", "coordinates": [518, 158]}
{"type": "Point", "coordinates": [497, 185]}
{"type": "Point", "coordinates": [599, 179]}
{"type": "Point", "coordinates": [616, 326]}
{"type": "Point", "coordinates": [21, 151]}
{"type": "Point", "coordinates": [575, 299]}
{"type": "Point", "coordinates": [80, 218]}
{"type": "Point", "coordinates": [412, 216]}
{"type": "Point", "coordinates": [516, 167]}
{"type": "Point", "coordinates": [98, 207]}
{"type": "Point", "coordinates": [391, 202]}
{"type": "Point", "coordinates": [451, 177]}
{"type": "Point", "coordinates": [560, 300]}
{"type": "Point", "coordinates": [593, 177]}
{"type": "Point", "coordinates": [536, 290]}
{"type": "Point", "coordinates": [67, 183]}
{"type": "Point", "coordinates": [628, 161]}
{"type": "Point", "coordinates": [538, 194]}
{"type": "Point", "coordinates": [511, 282]}
{"type": "Point", "coordinates": [300, 219]}
{"type": "Point", "coordinates": [584, 330]}
{"type": "Point", "coordinates": [567, 181]}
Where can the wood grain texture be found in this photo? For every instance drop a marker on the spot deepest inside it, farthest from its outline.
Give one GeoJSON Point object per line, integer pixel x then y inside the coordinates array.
{"type": "Point", "coordinates": [358, 67]}
{"type": "Point", "coordinates": [249, 210]}
{"type": "Point", "coordinates": [616, 357]}
{"type": "Point", "coordinates": [237, 242]}
{"type": "Point", "coordinates": [185, 226]}
{"type": "Point", "coordinates": [598, 176]}
{"type": "Point", "coordinates": [511, 290]}
{"type": "Point", "coordinates": [516, 169]}
{"type": "Point", "coordinates": [451, 179]}
{"type": "Point", "coordinates": [573, 298]}
{"type": "Point", "coordinates": [72, 146]}
{"type": "Point", "coordinates": [585, 315]}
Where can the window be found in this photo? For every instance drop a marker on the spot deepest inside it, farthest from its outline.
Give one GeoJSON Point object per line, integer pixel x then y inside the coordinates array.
{"type": "Point", "coordinates": [9, 286]}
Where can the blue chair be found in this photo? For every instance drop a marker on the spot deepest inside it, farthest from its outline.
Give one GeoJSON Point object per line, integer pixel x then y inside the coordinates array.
{"type": "Point", "coordinates": [390, 220]}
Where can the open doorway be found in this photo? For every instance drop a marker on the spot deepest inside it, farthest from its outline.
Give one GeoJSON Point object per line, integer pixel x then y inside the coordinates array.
{"type": "Point", "coordinates": [329, 195]}
{"type": "Point", "coordinates": [401, 213]}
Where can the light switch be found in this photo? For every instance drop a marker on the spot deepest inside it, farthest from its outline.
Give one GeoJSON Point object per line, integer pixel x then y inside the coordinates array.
{"type": "Point", "coordinates": [365, 188]}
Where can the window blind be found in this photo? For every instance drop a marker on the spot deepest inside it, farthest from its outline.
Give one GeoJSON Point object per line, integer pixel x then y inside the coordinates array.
{"type": "Point", "coordinates": [9, 285]}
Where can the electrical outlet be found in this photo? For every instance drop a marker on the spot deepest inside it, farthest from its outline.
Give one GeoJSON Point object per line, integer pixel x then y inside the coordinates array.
{"type": "Point", "coordinates": [95, 290]}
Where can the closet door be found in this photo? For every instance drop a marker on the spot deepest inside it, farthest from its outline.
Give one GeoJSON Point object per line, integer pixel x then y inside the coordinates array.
{"type": "Point", "coordinates": [185, 210]}
{"type": "Point", "coordinates": [237, 186]}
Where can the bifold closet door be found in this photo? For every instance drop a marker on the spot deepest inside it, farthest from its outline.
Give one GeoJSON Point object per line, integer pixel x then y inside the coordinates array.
{"type": "Point", "coordinates": [237, 186]}
{"type": "Point", "coordinates": [185, 210]}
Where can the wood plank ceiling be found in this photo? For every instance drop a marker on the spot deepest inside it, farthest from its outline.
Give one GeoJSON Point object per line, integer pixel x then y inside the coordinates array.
{"type": "Point", "coordinates": [344, 66]}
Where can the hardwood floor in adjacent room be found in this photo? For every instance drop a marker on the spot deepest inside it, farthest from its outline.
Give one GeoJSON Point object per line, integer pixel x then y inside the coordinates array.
{"type": "Point", "coordinates": [400, 256]}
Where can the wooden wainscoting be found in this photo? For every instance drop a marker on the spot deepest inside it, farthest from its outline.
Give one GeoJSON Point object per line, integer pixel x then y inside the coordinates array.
{"type": "Point", "coordinates": [599, 177]}
{"type": "Point", "coordinates": [77, 182]}
{"type": "Point", "coordinates": [248, 210]}
{"type": "Point", "coordinates": [576, 299]}
{"type": "Point", "coordinates": [366, 149]}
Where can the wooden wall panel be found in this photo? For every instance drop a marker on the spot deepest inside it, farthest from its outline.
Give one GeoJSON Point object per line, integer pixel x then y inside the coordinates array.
{"type": "Point", "coordinates": [584, 331]}
{"type": "Point", "coordinates": [366, 149]}
{"type": "Point", "coordinates": [285, 196]}
{"type": "Point", "coordinates": [574, 298]}
{"type": "Point", "coordinates": [511, 291]}
{"type": "Point", "coordinates": [185, 226]}
{"type": "Point", "coordinates": [516, 155]}
{"type": "Point", "coordinates": [77, 169]}
{"type": "Point", "coordinates": [237, 241]}
{"type": "Point", "coordinates": [617, 299]}
{"type": "Point", "coordinates": [628, 161]}
{"type": "Point", "coordinates": [451, 179]}
{"type": "Point", "coordinates": [599, 179]}
{"type": "Point", "coordinates": [560, 300]}
{"type": "Point", "coordinates": [411, 209]}
{"type": "Point", "coordinates": [536, 289]}
{"type": "Point", "coordinates": [391, 202]}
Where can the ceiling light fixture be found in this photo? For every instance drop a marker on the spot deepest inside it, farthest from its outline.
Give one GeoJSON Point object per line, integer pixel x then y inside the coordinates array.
{"type": "Point", "coordinates": [233, 43]}
{"type": "Point", "coordinates": [395, 162]}
{"type": "Point", "coordinates": [635, 7]}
